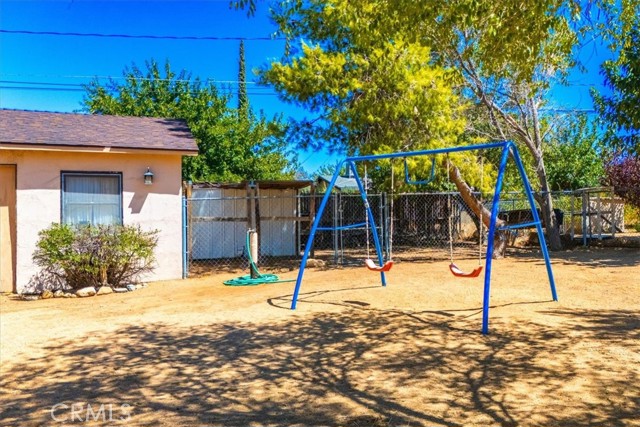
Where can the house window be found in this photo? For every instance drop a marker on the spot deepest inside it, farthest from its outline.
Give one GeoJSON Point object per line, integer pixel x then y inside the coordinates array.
{"type": "Point", "coordinates": [91, 198]}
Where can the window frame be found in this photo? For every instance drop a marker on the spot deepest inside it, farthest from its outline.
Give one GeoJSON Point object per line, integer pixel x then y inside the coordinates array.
{"type": "Point", "coordinates": [65, 173]}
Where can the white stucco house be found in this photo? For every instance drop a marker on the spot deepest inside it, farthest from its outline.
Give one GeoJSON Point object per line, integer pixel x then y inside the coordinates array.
{"type": "Point", "coordinates": [89, 169]}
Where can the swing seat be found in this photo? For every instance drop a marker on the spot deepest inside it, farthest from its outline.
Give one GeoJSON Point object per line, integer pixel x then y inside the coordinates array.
{"type": "Point", "coordinates": [459, 273]}
{"type": "Point", "coordinates": [373, 267]}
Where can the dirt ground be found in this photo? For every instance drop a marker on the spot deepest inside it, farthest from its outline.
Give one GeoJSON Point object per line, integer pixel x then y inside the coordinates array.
{"type": "Point", "coordinates": [195, 352]}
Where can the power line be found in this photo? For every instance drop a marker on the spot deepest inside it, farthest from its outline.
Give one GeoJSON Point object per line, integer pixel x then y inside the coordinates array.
{"type": "Point", "coordinates": [139, 36]}
{"type": "Point", "coordinates": [39, 83]}
{"type": "Point", "coordinates": [215, 82]}
{"type": "Point", "coordinates": [79, 88]}
{"type": "Point", "coordinates": [76, 87]}
{"type": "Point", "coordinates": [568, 110]}
{"type": "Point", "coordinates": [92, 76]}
{"type": "Point", "coordinates": [570, 84]}
{"type": "Point", "coordinates": [44, 89]}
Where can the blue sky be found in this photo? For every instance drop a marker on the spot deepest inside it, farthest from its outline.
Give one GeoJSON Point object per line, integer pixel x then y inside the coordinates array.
{"type": "Point", "coordinates": [44, 72]}
{"type": "Point", "coordinates": [48, 69]}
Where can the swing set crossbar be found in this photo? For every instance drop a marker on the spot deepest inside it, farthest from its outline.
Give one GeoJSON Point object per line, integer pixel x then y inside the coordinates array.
{"type": "Point", "coordinates": [509, 149]}
{"type": "Point", "coordinates": [522, 225]}
{"type": "Point", "coordinates": [342, 227]}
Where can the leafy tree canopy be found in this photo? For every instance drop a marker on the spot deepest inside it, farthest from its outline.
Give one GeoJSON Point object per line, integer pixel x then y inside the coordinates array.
{"type": "Point", "coordinates": [370, 93]}
{"type": "Point", "coordinates": [574, 155]}
{"type": "Point", "coordinates": [619, 109]}
{"type": "Point", "coordinates": [384, 98]}
{"type": "Point", "coordinates": [395, 76]}
{"type": "Point", "coordinates": [232, 146]}
{"type": "Point", "coordinates": [428, 73]}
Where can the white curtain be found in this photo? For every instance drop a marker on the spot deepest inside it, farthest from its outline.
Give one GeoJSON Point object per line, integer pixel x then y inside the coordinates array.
{"type": "Point", "coordinates": [91, 199]}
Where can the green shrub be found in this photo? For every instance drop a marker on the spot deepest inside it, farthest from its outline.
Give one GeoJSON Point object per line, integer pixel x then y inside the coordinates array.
{"type": "Point", "coordinates": [95, 256]}
{"type": "Point", "coordinates": [632, 217]}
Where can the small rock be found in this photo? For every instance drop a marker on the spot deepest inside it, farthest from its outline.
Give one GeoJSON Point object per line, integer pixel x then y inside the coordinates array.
{"type": "Point", "coordinates": [120, 290]}
{"type": "Point", "coordinates": [29, 297]}
{"type": "Point", "coordinates": [58, 294]}
{"type": "Point", "coordinates": [104, 290]}
{"type": "Point", "coordinates": [131, 287]}
{"type": "Point", "coordinates": [46, 294]}
{"type": "Point", "coordinates": [89, 291]}
{"type": "Point", "coordinates": [314, 263]}
{"type": "Point", "coordinates": [69, 295]}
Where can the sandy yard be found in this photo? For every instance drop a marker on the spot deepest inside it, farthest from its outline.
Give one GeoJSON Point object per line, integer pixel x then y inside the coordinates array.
{"type": "Point", "coordinates": [195, 352]}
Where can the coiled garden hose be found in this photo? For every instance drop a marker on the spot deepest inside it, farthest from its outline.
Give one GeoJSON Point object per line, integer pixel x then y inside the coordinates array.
{"type": "Point", "coordinates": [260, 279]}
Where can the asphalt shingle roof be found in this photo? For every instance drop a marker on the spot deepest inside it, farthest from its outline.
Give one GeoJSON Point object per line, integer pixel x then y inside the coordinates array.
{"type": "Point", "coordinates": [92, 130]}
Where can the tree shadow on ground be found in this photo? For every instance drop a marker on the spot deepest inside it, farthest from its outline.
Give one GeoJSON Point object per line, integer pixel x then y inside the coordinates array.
{"type": "Point", "coordinates": [361, 363]}
{"type": "Point", "coordinates": [594, 257]}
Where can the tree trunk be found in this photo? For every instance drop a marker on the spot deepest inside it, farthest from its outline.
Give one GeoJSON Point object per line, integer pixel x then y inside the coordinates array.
{"type": "Point", "coordinates": [546, 207]}
{"type": "Point", "coordinates": [527, 130]}
{"type": "Point", "coordinates": [476, 206]}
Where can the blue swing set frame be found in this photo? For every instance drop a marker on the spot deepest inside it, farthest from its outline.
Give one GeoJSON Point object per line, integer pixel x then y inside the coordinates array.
{"type": "Point", "coordinates": [508, 149]}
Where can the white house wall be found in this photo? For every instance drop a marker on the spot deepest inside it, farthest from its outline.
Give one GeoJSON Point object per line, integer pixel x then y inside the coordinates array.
{"type": "Point", "coordinates": [154, 207]}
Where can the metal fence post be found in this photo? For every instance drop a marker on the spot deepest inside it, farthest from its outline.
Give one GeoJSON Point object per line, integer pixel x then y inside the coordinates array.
{"type": "Point", "coordinates": [185, 232]}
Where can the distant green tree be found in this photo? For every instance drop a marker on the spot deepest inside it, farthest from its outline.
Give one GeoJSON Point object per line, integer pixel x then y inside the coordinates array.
{"type": "Point", "coordinates": [574, 155]}
{"type": "Point", "coordinates": [328, 169]}
{"type": "Point", "coordinates": [232, 146]}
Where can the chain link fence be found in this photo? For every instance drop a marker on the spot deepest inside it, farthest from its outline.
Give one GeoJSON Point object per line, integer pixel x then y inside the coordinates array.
{"type": "Point", "coordinates": [217, 225]}
{"type": "Point", "coordinates": [584, 214]}
{"type": "Point", "coordinates": [410, 226]}
{"type": "Point", "coordinates": [337, 244]}
{"type": "Point", "coordinates": [433, 226]}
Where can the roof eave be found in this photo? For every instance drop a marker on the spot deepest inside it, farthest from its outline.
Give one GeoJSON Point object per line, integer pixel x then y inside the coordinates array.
{"type": "Point", "coordinates": [93, 148]}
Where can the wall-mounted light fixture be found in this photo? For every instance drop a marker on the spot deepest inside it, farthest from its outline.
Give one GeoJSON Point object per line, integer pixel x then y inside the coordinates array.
{"type": "Point", "coordinates": [148, 177]}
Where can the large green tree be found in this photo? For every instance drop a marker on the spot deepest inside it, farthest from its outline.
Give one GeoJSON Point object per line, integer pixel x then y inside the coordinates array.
{"type": "Point", "coordinates": [574, 154]}
{"type": "Point", "coordinates": [394, 75]}
{"type": "Point", "coordinates": [380, 97]}
{"type": "Point", "coordinates": [233, 144]}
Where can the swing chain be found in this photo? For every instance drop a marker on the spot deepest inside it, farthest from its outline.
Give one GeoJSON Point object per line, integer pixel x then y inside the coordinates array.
{"type": "Point", "coordinates": [480, 227]}
{"type": "Point", "coordinates": [449, 209]}
{"type": "Point", "coordinates": [366, 210]}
